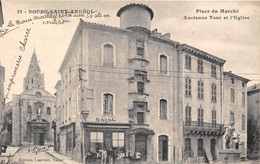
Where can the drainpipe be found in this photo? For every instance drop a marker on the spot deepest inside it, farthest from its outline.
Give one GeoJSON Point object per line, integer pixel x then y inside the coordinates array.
{"type": "Point", "coordinates": [221, 102]}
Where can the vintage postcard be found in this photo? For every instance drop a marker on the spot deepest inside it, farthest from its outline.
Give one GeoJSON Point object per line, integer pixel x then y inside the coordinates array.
{"type": "Point", "coordinates": [129, 82]}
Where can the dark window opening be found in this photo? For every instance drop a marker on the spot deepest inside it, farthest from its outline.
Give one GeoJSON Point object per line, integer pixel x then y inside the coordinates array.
{"type": "Point", "coordinates": [200, 117]}
{"type": "Point", "coordinates": [188, 86]}
{"type": "Point", "coordinates": [188, 116]}
{"type": "Point", "coordinates": [232, 118]}
{"type": "Point", "coordinates": [214, 122]}
{"type": "Point", "coordinates": [200, 148]}
{"type": "Point", "coordinates": [140, 117]}
{"type": "Point", "coordinates": [163, 109]}
{"type": "Point", "coordinates": [232, 80]}
{"type": "Point", "coordinates": [163, 148]}
{"type": "Point", "coordinates": [200, 66]}
{"type": "Point", "coordinates": [108, 105]}
{"type": "Point", "coordinates": [140, 48]}
{"type": "Point", "coordinates": [140, 87]}
{"type": "Point", "coordinates": [187, 149]}
{"type": "Point", "coordinates": [48, 111]}
{"type": "Point", "coordinates": [188, 62]}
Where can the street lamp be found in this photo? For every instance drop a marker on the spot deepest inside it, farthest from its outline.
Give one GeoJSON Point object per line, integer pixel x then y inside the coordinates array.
{"type": "Point", "coordinates": [84, 116]}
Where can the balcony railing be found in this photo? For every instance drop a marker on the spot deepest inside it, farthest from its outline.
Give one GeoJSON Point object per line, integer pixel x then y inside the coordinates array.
{"type": "Point", "coordinates": [205, 128]}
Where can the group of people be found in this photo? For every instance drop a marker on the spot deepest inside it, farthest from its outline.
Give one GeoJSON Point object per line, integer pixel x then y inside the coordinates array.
{"type": "Point", "coordinates": [107, 156]}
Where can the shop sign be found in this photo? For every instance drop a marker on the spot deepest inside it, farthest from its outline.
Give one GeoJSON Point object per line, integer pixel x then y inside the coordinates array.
{"type": "Point", "coordinates": [105, 120]}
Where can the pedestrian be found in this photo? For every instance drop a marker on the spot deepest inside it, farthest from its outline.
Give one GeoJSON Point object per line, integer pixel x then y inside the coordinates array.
{"type": "Point", "coordinates": [110, 155]}
{"type": "Point", "coordinates": [103, 156]}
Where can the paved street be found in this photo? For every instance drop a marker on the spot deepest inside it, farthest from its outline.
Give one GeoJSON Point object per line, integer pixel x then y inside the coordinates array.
{"type": "Point", "coordinates": [30, 155]}
{"type": "Point", "coordinates": [44, 155]}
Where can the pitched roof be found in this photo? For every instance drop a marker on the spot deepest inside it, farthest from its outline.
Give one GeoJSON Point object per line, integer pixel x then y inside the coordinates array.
{"type": "Point", "coordinates": [34, 65]}
{"type": "Point", "coordinates": [236, 76]}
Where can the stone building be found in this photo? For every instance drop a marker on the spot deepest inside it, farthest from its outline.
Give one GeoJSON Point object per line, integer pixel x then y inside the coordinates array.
{"type": "Point", "coordinates": [33, 111]}
{"type": "Point", "coordinates": [121, 81]}
{"type": "Point", "coordinates": [135, 91]}
{"type": "Point", "coordinates": [202, 103]}
{"type": "Point", "coordinates": [235, 116]}
{"type": "Point", "coordinates": [253, 115]}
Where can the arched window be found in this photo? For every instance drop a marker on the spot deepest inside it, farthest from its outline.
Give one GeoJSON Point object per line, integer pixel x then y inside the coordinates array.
{"type": "Point", "coordinates": [163, 148]}
{"type": "Point", "coordinates": [48, 111]}
{"type": "Point", "coordinates": [38, 94]}
{"type": "Point", "coordinates": [108, 55]}
{"type": "Point", "coordinates": [163, 109]}
{"type": "Point", "coordinates": [188, 86]}
{"type": "Point", "coordinates": [108, 105]}
{"type": "Point", "coordinates": [163, 64]}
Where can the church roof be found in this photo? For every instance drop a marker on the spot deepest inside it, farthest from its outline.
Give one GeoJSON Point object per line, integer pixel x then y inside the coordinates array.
{"type": "Point", "coordinates": [34, 65]}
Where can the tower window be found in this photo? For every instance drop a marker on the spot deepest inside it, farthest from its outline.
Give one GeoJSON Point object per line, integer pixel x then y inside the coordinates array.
{"type": "Point", "coordinates": [140, 48]}
{"type": "Point", "coordinates": [140, 87]}
{"type": "Point", "coordinates": [140, 117]}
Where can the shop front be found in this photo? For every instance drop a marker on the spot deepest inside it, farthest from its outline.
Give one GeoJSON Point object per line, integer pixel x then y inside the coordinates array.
{"type": "Point", "coordinates": [123, 143]}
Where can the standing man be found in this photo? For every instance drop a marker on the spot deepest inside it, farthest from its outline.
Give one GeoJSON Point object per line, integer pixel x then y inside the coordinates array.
{"type": "Point", "coordinates": [103, 156]}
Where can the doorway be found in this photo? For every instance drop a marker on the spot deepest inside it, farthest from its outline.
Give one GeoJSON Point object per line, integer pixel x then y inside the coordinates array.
{"type": "Point", "coordinates": [213, 149]}
{"type": "Point", "coordinates": [163, 148]}
{"type": "Point", "coordinates": [141, 145]}
{"type": "Point", "coordinates": [39, 139]}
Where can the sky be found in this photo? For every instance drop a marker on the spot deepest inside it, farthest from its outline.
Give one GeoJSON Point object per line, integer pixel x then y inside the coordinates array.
{"type": "Point", "coordinates": [236, 41]}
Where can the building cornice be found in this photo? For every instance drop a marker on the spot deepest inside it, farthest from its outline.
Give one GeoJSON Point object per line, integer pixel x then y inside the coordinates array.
{"type": "Point", "coordinates": [201, 54]}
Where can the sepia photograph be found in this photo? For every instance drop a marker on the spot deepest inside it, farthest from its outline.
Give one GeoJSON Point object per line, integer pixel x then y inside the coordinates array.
{"type": "Point", "coordinates": [129, 82]}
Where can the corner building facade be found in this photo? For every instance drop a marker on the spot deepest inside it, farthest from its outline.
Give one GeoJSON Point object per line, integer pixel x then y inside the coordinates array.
{"type": "Point", "coordinates": [137, 92]}
{"type": "Point", "coordinates": [118, 91]}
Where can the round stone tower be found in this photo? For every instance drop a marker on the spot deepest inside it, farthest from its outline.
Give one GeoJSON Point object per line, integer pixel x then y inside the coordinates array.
{"type": "Point", "coordinates": [135, 15]}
